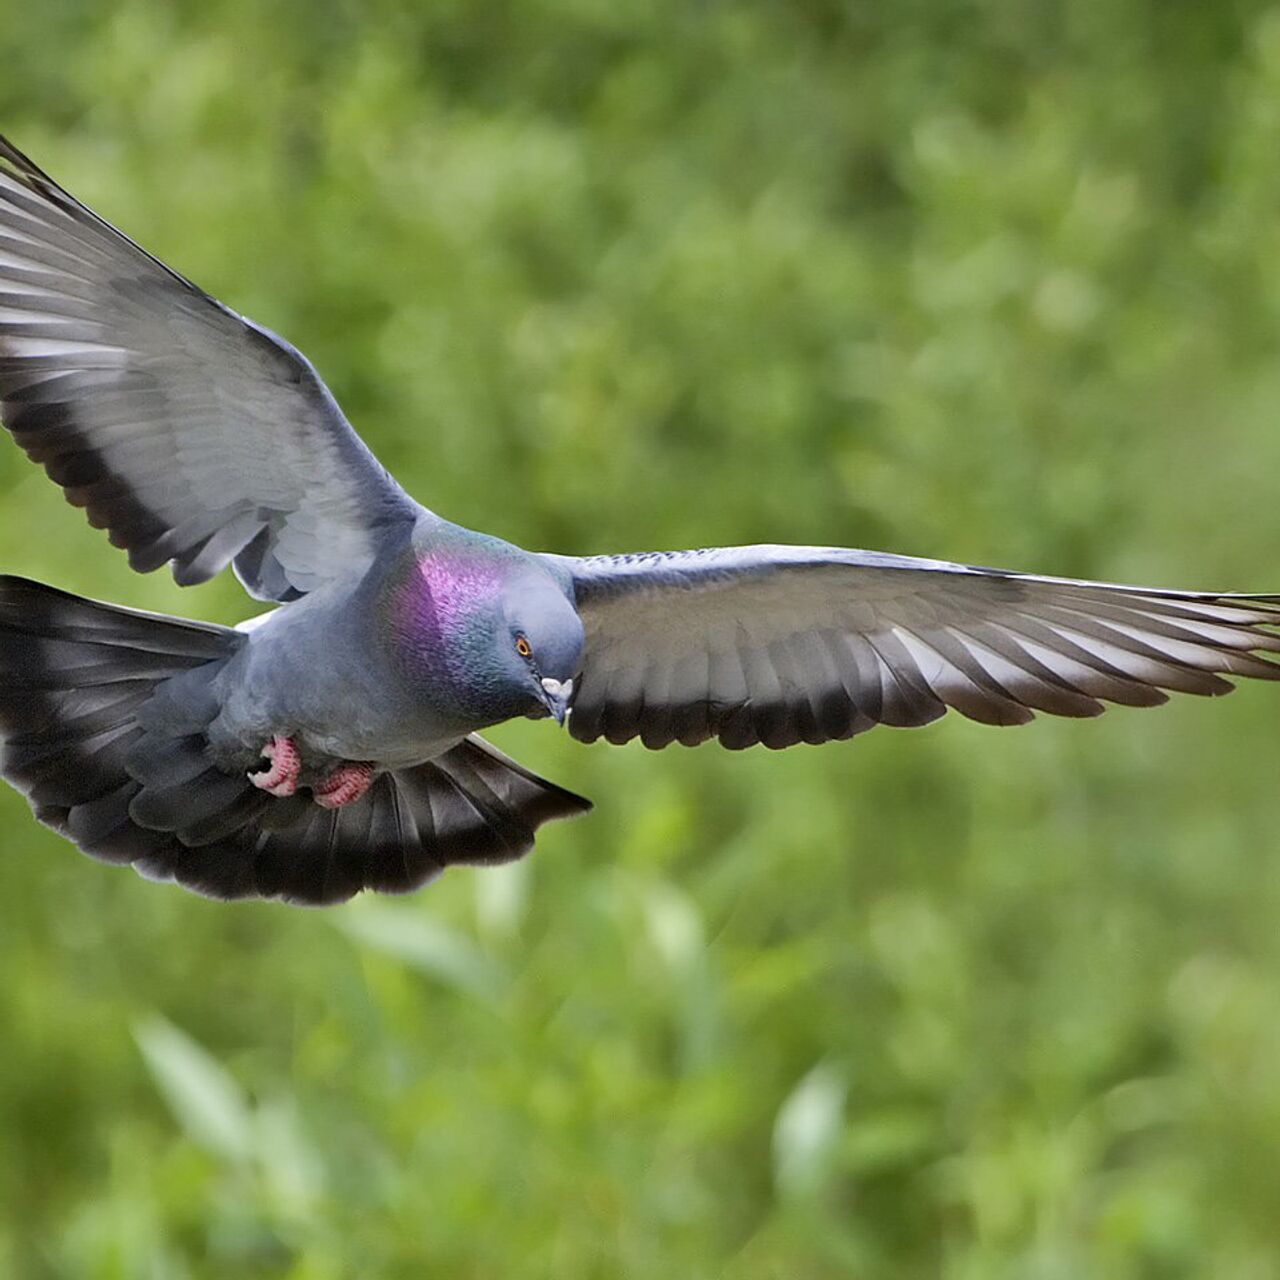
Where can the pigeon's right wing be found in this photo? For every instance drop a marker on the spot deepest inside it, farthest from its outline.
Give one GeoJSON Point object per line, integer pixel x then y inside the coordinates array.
{"type": "Point", "coordinates": [193, 436]}
{"type": "Point", "coordinates": [780, 645]}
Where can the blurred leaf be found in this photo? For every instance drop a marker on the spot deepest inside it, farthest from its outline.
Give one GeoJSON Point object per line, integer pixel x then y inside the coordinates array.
{"type": "Point", "coordinates": [409, 935]}
{"type": "Point", "coordinates": [502, 894]}
{"type": "Point", "coordinates": [887, 1138]}
{"type": "Point", "coordinates": [674, 926]}
{"type": "Point", "coordinates": [203, 1096]}
{"type": "Point", "coordinates": [292, 1168]}
{"type": "Point", "coordinates": [806, 1131]}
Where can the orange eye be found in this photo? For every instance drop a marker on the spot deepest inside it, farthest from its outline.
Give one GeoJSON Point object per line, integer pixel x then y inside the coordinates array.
{"type": "Point", "coordinates": [523, 647]}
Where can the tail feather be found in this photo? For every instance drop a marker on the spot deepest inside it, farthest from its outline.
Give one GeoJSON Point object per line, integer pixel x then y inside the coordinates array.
{"type": "Point", "coordinates": [159, 761]}
{"type": "Point", "coordinates": [34, 609]}
{"type": "Point", "coordinates": [185, 807]}
{"type": "Point", "coordinates": [70, 715]}
{"type": "Point", "coordinates": [103, 828]}
{"type": "Point", "coordinates": [102, 719]}
{"type": "Point", "coordinates": [75, 676]}
{"type": "Point", "coordinates": [72, 772]}
{"type": "Point", "coordinates": [471, 805]}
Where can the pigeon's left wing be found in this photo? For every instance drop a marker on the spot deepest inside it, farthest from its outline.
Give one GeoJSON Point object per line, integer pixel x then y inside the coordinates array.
{"type": "Point", "coordinates": [189, 433]}
{"type": "Point", "coordinates": [780, 645]}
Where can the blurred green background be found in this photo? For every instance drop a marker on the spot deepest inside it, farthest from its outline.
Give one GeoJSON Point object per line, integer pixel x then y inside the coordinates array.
{"type": "Point", "coordinates": [991, 281]}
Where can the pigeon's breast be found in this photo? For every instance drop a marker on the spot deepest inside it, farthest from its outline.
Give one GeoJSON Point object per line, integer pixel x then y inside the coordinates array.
{"type": "Point", "coordinates": [387, 748]}
{"type": "Point", "coordinates": [308, 672]}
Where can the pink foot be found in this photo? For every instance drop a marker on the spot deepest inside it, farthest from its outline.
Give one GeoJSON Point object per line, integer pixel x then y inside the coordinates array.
{"type": "Point", "coordinates": [345, 785]}
{"type": "Point", "coordinates": [282, 778]}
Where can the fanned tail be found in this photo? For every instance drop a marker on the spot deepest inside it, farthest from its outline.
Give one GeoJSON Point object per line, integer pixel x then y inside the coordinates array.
{"type": "Point", "coordinates": [471, 805]}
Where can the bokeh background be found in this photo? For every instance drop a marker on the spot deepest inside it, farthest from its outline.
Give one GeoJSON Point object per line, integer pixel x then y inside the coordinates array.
{"type": "Point", "coordinates": [985, 280]}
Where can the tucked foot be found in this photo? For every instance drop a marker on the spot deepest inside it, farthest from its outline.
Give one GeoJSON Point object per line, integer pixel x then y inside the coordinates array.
{"type": "Point", "coordinates": [345, 785]}
{"type": "Point", "coordinates": [281, 779]}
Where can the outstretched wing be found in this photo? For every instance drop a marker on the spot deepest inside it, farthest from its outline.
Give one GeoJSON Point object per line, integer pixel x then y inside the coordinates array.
{"type": "Point", "coordinates": [191, 434]}
{"type": "Point", "coordinates": [780, 645]}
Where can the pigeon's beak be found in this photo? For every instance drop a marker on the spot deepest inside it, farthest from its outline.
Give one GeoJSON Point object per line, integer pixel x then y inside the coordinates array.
{"type": "Point", "coordinates": [557, 695]}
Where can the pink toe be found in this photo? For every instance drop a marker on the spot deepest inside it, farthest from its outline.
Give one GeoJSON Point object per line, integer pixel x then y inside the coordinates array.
{"type": "Point", "coordinates": [345, 785]}
{"type": "Point", "coordinates": [282, 778]}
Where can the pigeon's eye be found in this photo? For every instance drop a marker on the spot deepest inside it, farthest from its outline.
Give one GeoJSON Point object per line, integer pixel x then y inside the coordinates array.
{"type": "Point", "coordinates": [523, 647]}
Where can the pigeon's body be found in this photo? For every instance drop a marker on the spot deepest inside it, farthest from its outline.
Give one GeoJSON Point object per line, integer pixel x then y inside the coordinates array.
{"type": "Point", "coordinates": [376, 667]}
{"type": "Point", "coordinates": [320, 672]}
{"type": "Point", "coordinates": [332, 745]}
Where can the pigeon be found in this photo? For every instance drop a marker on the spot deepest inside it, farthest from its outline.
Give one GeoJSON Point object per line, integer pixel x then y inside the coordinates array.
{"type": "Point", "coordinates": [333, 745]}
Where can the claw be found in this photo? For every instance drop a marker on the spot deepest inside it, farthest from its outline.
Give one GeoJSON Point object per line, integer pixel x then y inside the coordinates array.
{"type": "Point", "coordinates": [345, 785]}
{"type": "Point", "coordinates": [282, 778]}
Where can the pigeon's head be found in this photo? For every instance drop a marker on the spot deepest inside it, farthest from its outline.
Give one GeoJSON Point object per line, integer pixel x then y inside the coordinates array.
{"type": "Point", "coordinates": [538, 641]}
{"type": "Point", "coordinates": [493, 628]}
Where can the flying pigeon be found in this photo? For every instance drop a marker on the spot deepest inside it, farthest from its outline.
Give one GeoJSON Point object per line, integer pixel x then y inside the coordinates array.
{"type": "Point", "coordinates": [334, 745]}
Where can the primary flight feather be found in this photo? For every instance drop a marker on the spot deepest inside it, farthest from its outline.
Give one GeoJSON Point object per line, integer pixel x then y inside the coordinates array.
{"type": "Point", "coordinates": [333, 746]}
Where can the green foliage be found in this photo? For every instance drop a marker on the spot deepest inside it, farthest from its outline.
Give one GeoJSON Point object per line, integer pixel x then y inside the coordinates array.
{"type": "Point", "coordinates": [965, 278]}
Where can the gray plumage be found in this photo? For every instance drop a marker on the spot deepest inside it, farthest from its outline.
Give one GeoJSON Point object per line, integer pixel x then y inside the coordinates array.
{"type": "Point", "coordinates": [780, 645]}
{"type": "Point", "coordinates": [200, 440]}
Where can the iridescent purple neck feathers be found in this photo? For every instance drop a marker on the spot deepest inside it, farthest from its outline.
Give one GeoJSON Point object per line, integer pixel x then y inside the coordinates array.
{"type": "Point", "coordinates": [476, 624]}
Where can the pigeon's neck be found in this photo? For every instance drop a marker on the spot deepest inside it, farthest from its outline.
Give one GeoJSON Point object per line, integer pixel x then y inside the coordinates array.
{"type": "Point", "coordinates": [442, 606]}
{"type": "Point", "coordinates": [452, 587]}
